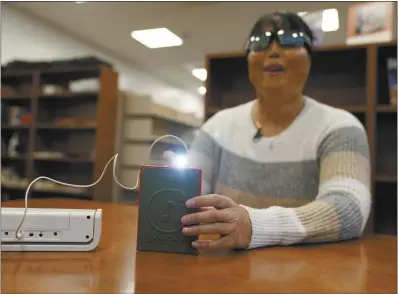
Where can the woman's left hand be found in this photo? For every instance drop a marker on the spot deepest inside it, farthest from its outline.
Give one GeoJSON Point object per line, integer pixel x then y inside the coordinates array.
{"type": "Point", "coordinates": [227, 219]}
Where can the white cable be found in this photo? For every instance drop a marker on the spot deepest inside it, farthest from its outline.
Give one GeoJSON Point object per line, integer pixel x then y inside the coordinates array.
{"type": "Point", "coordinates": [19, 233]}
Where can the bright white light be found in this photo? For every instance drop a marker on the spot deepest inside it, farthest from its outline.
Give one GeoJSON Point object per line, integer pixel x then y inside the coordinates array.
{"type": "Point", "coordinates": [330, 20]}
{"type": "Point", "coordinates": [202, 90]}
{"type": "Point", "coordinates": [157, 38]}
{"type": "Point", "coordinates": [180, 161]}
{"type": "Point", "coordinates": [200, 73]}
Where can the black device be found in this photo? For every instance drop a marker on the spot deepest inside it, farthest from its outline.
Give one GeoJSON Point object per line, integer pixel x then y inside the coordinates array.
{"type": "Point", "coordinates": [163, 192]}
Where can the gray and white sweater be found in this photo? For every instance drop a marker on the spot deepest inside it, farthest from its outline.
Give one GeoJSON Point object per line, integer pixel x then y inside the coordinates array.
{"type": "Point", "coordinates": [311, 183]}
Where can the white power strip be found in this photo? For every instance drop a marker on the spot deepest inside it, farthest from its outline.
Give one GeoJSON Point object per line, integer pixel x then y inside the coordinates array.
{"type": "Point", "coordinates": [46, 229]}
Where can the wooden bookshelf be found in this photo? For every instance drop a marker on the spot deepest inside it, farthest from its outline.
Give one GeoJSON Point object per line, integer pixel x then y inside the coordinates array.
{"type": "Point", "coordinates": [353, 78]}
{"type": "Point", "coordinates": [65, 132]}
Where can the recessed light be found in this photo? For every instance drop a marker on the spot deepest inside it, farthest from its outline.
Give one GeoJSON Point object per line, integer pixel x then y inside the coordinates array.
{"type": "Point", "coordinates": [330, 20]}
{"type": "Point", "coordinates": [200, 73]}
{"type": "Point", "coordinates": [202, 90]}
{"type": "Point", "coordinates": [157, 38]}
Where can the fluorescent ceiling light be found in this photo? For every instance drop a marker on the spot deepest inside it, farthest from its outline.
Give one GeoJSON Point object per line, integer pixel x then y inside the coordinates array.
{"type": "Point", "coordinates": [200, 73]}
{"type": "Point", "coordinates": [202, 90]}
{"type": "Point", "coordinates": [157, 38]}
{"type": "Point", "coordinates": [330, 20]}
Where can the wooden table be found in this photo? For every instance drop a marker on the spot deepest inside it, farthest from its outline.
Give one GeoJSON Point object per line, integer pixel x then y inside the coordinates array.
{"type": "Point", "coordinates": [361, 266]}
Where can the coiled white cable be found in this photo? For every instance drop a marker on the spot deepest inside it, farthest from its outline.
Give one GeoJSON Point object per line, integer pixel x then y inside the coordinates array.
{"type": "Point", "coordinates": [19, 232]}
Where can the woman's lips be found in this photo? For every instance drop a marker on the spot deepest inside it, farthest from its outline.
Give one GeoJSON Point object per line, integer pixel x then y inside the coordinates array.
{"type": "Point", "coordinates": [274, 68]}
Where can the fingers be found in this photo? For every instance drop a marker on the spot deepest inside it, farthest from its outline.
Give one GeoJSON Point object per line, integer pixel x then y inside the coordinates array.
{"type": "Point", "coordinates": [210, 229]}
{"type": "Point", "coordinates": [214, 200]}
{"type": "Point", "coordinates": [217, 244]}
{"type": "Point", "coordinates": [206, 208]}
{"type": "Point", "coordinates": [207, 216]}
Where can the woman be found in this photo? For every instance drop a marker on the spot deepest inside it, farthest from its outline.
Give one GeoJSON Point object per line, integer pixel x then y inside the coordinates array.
{"type": "Point", "coordinates": [305, 175]}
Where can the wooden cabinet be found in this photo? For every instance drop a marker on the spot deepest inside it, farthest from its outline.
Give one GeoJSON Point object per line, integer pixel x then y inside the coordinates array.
{"type": "Point", "coordinates": [63, 132]}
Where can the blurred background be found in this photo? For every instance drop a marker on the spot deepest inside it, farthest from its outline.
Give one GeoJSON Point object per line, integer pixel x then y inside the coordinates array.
{"type": "Point", "coordinates": [84, 80]}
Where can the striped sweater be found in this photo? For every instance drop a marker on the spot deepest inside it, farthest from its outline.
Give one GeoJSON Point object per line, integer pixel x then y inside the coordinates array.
{"type": "Point", "coordinates": [311, 183]}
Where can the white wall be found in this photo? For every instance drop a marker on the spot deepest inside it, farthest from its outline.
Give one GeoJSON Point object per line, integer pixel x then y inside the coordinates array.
{"type": "Point", "coordinates": [26, 37]}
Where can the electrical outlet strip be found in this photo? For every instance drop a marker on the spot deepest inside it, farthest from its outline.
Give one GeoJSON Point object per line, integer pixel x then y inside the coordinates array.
{"type": "Point", "coordinates": [47, 229]}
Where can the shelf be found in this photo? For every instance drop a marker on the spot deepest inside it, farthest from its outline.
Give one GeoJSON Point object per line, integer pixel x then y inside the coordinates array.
{"type": "Point", "coordinates": [143, 107]}
{"type": "Point", "coordinates": [386, 144]}
{"type": "Point", "coordinates": [64, 122]}
{"type": "Point", "coordinates": [60, 160]}
{"type": "Point", "coordinates": [50, 127]}
{"type": "Point", "coordinates": [64, 160]}
{"type": "Point", "coordinates": [16, 127]}
{"type": "Point", "coordinates": [328, 83]}
{"type": "Point", "coordinates": [383, 52]}
{"type": "Point", "coordinates": [171, 120]}
{"type": "Point", "coordinates": [142, 122]}
{"type": "Point", "coordinates": [385, 204]}
{"type": "Point", "coordinates": [61, 75]}
{"type": "Point", "coordinates": [352, 108]}
{"type": "Point", "coordinates": [16, 73]}
{"type": "Point", "coordinates": [16, 98]}
{"type": "Point", "coordinates": [67, 96]}
{"type": "Point", "coordinates": [386, 179]}
{"type": "Point", "coordinates": [168, 141]}
{"type": "Point", "coordinates": [18, 157]}
{"type": "Point", "coordinates": [16, 77]}
{"type": "Point", "coordinates": [386, 108]}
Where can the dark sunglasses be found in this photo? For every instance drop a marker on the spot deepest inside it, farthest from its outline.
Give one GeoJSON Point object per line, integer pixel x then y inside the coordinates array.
{"type": "Point", "coordinates": [285, 39]}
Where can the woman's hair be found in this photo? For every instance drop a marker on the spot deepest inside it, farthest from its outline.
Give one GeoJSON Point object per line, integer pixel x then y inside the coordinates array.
{"type": "Point", "coordinates": [282, 21]}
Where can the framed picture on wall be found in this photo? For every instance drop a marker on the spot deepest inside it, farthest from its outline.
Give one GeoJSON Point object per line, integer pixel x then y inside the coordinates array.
{"type": "Point", "coordinates": [370, 22]}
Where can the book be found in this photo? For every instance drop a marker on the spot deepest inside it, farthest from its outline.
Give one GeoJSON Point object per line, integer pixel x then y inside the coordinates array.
{"type": "Point", "coordinates": [392, 79]}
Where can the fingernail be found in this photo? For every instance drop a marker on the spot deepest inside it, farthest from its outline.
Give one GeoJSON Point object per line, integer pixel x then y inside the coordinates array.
{"type": "Point", "coordinates": [189, 203]}
{"type": "Point", "coordinates": [186, 230]}
{"type": "Point", "coordinates": [195, 244]}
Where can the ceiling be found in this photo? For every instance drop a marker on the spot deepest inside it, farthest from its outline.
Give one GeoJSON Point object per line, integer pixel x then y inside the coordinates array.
{"type": "Point", "coordinates": [206, 27]}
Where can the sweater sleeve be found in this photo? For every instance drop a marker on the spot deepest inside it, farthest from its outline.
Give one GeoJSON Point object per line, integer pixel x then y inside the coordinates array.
{"type": "Point", "coordinates": [340, 210]}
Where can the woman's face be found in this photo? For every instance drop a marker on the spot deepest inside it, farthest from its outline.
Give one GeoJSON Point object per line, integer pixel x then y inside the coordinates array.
{"type": "Point", "coordinates": [276, 69]}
